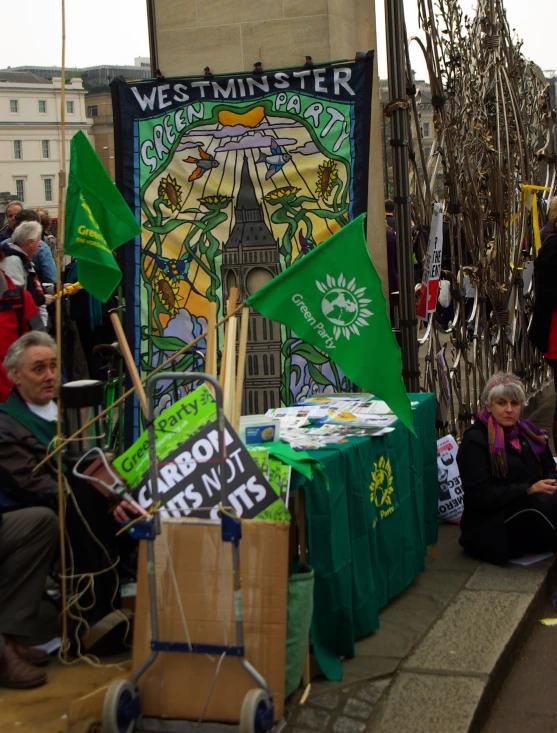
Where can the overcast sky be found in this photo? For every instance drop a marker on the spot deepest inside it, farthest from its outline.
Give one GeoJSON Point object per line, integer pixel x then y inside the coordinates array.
{"type": "Point", "coordinates": [115, 31]}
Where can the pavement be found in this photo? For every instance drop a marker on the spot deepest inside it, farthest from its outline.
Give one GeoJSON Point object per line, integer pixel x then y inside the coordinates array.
{"type": "Point", "coordinates": [444, 647]}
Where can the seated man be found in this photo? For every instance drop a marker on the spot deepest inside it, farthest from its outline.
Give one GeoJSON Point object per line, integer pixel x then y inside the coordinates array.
{"type": "Point", "coordinates": [28, 540]}
{"type": "Point", "coordinates": [28, 426]}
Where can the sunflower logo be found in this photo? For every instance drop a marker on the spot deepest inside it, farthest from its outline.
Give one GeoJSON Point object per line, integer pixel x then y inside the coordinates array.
{"type": "Point", "coordinates": [344, 305]}
{"type": "Point", "coordinates": [168, 293]}
{"type": "Point", "coordinates": [281, 193]}
{"type": "Point", "coordinates": [171, 193]}
{"type": "Point", "coordinates": [381, 486]}
{"type": "Point", "coordinates": [326, 175]}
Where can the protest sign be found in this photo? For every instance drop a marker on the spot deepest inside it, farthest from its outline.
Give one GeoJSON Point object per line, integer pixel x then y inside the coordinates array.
{"type": "Point", "coordinates": [432, 265]}
{"type": "Point", "coordinates": [189, 466]}
{"type": "Point", "coordinates": [451, 495]}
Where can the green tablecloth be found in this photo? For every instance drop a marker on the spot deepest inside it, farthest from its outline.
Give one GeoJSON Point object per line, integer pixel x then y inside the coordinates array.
{"type": "Point", "coordinates": [368, 534]}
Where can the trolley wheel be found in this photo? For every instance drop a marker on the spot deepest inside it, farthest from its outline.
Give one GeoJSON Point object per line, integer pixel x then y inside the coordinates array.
{"type": "Point", "coordinates": [257, 712]}
{"type": "Point", "coordinates": [120, 708]}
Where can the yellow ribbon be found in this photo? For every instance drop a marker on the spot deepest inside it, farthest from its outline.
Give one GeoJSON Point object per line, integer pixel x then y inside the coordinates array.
{"type": "Point", "coordinates": [527, 188]}
{"type": "Point", "coordinates": [535, 223]}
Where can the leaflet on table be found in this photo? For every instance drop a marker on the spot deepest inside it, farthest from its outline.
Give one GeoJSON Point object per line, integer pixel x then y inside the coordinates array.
{"type": "Point", "coordinates": [319, 399]}
{"type": "Point", "coordinates": [327, 434]}
{"type": "Point", "coordinates": [189, 468]}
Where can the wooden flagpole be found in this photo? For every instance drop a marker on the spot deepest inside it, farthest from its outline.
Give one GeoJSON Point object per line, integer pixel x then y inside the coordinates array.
{"type": "Point", "coordinates": [241, 369]}
{"type": "Point", "coordinates": [59, 261]}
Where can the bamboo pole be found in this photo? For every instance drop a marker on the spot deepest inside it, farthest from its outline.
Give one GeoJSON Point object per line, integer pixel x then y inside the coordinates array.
{"type": "Point", "coordinates": [232, 298]}
{"type": "Point", "coordinates": [130, 363]}
{"type": "Point", "coordinates": [58, 310]}
{"type": "Point", "coordinates": [211, 351]}
{"type": "Point", "coordinates": [229, 377]}
{"type": "Point", "coordinates": [130, 391]}
{"type": "Point", "coordinates": [241, 369]}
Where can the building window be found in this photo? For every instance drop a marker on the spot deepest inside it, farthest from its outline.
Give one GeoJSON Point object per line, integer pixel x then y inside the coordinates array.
{"type": "Point", "coordinates": [250, 366]}
{"type": "Point", "coordinates": [14, 106]}
{"type": "Point", "coordinates": [20, 189]}
{"type": "Point", "coordinates": [272, 395]}
{"type": "Point", "coordinates": [256, 368]}
{"type": "Point", "coordinates": [256, 402]}
{"type": "Point", "coordinates": [18, 150]}
{"type": "Point", "coordinates": [265, 365]}
{"type": "Point", "coordinates": [427, 152]}
{"type": "Point", "coordinates": [253, 330]}
{"type": "Point", "coordinates": [271, 331]}
{"type": "Point", "coordinates": [250, 403]}
{"type": "Point", "coordinates": [425, 129]}
{"type": "Point", "coordinates": [45, 145]}
{"type": "Point", "coordinates": [272, 362]}
{"type": "Point", "coordinates": [265, 402]}
{"type": "Point", "coordinates": [42, 106]}
{"type": "Point", "coordinates": [264, 329]}
{"type": "Point", "coordinates": [69, 107]}
{"type": "Point", "coordinates": [92, 110]}
{"type": "Point", "coordinates": [48, 189]}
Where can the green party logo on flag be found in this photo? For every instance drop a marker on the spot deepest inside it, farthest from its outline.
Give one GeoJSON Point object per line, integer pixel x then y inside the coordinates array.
{"type": "Point", "coordinates": [381, 488]}
{"type": "Point", "coordinates": [92, 236]}
{"type": "Point", "coordinates": [344, 305]}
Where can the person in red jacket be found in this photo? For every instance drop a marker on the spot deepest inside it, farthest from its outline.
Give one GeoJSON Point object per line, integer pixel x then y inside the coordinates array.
{"type": "Point", "coordinates": [18, 315]}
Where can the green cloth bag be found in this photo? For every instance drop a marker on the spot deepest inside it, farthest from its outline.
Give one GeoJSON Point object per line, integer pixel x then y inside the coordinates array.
{"type": "Point", "coordinates": [300, 611]}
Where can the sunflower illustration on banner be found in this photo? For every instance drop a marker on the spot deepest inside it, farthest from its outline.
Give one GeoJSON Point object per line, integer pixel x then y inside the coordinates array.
{"type": "Point", "coordinates": [232, 180]}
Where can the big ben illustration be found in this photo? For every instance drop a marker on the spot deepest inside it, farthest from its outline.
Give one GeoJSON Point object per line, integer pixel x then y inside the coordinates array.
{"type": "Point", "coordinates": [250, 259]}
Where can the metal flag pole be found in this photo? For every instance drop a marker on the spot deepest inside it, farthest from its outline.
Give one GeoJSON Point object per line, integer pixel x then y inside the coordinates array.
{"type": "Point", "coordinates": [59, 261]}
{"type": "Point", "coordinates": [398, 110]}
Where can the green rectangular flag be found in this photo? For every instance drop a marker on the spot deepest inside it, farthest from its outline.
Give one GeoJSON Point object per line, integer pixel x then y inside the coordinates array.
{"type": "Point", "coordinates": [332, 298]}
{"type": "Point", "coordinates": [97, 220]}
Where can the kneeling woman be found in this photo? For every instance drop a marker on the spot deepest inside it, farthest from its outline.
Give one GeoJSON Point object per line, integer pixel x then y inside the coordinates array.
{"type": "Point", "coordinates": [509, 479]}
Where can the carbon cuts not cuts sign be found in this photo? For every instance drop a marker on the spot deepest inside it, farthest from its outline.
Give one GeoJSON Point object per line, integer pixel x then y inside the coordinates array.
{"type": "Point", "coordinates": [189, 467]}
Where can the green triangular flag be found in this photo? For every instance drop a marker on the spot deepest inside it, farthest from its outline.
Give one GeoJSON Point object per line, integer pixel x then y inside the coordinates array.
{"type": "Point", "coordinates": [333, 298]}
{"type": "Point", "coordinates": [97, 220]}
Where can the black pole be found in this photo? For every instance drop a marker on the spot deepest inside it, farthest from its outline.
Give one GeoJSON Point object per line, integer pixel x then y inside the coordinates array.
{"type": "Point", "coordinates": [152, 31]}
{"type": "Point", "coordinates": [394, 15]}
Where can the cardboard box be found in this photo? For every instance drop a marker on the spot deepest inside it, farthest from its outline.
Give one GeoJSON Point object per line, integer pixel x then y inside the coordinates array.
{"type": "Point", "coordinates": [177, 685]}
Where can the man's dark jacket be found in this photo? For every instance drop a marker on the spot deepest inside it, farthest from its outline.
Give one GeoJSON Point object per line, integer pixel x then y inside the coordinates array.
{"type": "Point", "coordinates": [487, 498]}
{"type": "Point", "coordinates": [20, 451]}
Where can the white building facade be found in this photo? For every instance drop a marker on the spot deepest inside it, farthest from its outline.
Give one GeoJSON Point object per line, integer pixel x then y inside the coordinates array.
{"type": "Point", "coordinates": [30, 135]}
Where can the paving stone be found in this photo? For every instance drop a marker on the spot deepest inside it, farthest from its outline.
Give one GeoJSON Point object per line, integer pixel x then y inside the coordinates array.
{"type": "Point", "coordinates": [420, 703]}
{"type": "Point", "coordinates": [357, 709]}
{"type": "Point", "coordinates": [471, 634]}
{"type": "Point", "coordinates": [402, 624]}
{"type": "Point", "coordinates": [509, 578]}
{"type": "Point", "coordinates": [348, 725]}
{"type": "Point", "coordinates": [372, 692]}
{"type": "Point", "coordinates": [329, 701]}
{"type": "Point", "coordinates": [314, 719]}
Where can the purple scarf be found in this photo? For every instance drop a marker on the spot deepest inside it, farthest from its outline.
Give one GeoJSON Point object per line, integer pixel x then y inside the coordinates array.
{"type": "Point", "coordinates": [497, 435]}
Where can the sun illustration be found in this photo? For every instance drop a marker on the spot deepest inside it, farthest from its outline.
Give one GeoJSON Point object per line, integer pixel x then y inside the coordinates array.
{"type": "Point", "coordinates": [327, 173]}
{"type": "Point", "coordinates": [171, 193]}
{"type": "Point", "coordinates": [381, 486]}
{"type": "Point", "coordinates": [344, 305]}
{"type": "Point", "coordinates": [168, 293]}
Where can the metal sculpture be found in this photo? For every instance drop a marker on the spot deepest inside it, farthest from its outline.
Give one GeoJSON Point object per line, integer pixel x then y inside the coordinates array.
{"type": "Point", "coordinates": [495, 145]}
